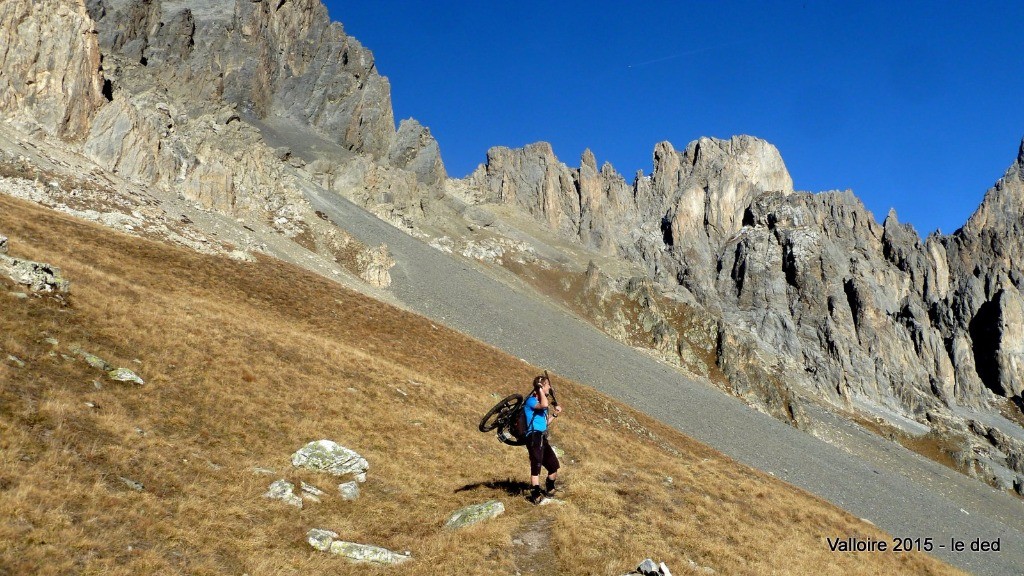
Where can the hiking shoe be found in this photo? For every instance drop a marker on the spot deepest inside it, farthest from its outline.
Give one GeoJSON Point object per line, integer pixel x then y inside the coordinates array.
{"type": "Point", "coordinates": [536, 495]}
{"type": "Point", "coordinates": [550, 488]}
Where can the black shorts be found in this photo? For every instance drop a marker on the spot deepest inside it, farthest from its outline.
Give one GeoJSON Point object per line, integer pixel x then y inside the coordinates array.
{"type": "Point", "coordinates": [541, 453]}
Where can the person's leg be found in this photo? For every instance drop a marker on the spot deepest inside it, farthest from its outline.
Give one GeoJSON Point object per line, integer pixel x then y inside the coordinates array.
{"type": "Point", "coordinates": [535, 447]}
{"type": "Point", "coordinates": [552, 465]}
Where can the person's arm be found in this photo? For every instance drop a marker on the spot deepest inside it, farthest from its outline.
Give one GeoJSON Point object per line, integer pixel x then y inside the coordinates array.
{"type": "Point", "coordinates": [542, 401]}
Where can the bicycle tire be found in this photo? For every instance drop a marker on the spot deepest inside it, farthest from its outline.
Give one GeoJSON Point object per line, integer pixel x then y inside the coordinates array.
{"type": "Point", "coordinates": [501, 412]}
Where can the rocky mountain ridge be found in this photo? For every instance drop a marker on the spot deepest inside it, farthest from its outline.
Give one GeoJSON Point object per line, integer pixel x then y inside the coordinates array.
{"type": "Point", "coordinates": [814, 299]}
{"type": "Point", "coordinates": [209, 122]}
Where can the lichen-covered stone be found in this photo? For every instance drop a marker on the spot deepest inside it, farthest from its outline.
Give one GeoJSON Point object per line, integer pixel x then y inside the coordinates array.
{"type": "Point", "coordinates": [125, 375]}
{"type": "Point", "coordinates": [349, 490]}
{"type": "Point", "coordinates": [321, 539]}
{"type": "Point", "coordinates": [474, 514]}
{"type": "Point", "coordinates": [324, 540]}
{"type": "Point", "coordinates": [331, 457]}
{"type": "Point", "coordinates": [284, 491]}
{"type": "Point", "coordinates": [92, 359]}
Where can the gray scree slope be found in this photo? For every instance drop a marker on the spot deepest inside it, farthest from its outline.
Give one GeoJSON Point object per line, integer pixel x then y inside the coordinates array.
{"type": "Point", "coordinates": [904, 494]}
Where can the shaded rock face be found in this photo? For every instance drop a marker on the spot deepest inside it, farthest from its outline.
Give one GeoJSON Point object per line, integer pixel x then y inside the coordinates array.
{"type": "Point", "coordinates": [982, 310]}
{"type": "Point", "coordinates": [268, 57]}
{"type": "Point", "coordinates": [50, 65]}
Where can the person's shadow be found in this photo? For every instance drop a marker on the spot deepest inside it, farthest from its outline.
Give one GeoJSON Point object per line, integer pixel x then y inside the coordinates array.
{"type": "Point", "coordinates": [509, 486]}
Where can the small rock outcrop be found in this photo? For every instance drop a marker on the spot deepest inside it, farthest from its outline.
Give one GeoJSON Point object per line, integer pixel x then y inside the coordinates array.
{"type": "Point", "coordinates": [36, 276]}
{"type": "Point", "coordinates": [326, 541]}
{"type": "Point", "coordinates": [474, 514]}
{"type": "Point", "coordinates": [331, 457]}
{"type": "Point", "coordinates": [376, 264]}
{"type": "Point", "coordinates": [414, 149]}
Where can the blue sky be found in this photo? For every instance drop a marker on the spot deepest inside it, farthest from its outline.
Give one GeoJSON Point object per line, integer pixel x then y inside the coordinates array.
{"type": "Point", "coordinates": [916, 106]}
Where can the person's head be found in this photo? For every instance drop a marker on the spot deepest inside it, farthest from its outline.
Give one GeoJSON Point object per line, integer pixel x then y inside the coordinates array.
{"type": "Point", "coordinates": [541, 384]}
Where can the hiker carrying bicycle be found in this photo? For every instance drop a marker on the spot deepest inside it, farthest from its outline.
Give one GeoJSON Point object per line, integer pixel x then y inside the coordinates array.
{"type": "Point", "coordinates": [541, 454]}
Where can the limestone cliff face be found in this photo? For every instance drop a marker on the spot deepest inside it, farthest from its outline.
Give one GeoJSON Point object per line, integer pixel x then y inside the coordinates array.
{"type": "Point", "coordinates": [172, 93]}
{"type": "Point", "coordinates": [862, 314]}
{"type": "Point", "coordinates": [270, 59]}
{"type": "Point", "coordinates": [49, 65]}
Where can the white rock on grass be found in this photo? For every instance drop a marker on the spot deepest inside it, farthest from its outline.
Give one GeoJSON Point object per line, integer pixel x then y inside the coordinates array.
{"type": "Point", "coordinates": [310, 492]}
{"type": "Point", "coordinates": [284, 491]}
{"type": "Point", "coordinates": [331, 457]}
{"type": "Point", "coordinates": [133, 484]}
{"type": "Point", "coordinates": [92, 359]}
{"type": "Point", "coordinates": [125, 375]}
{"type": "Point", "coordinates": [324, 540]}
{"type": "Point", "coordinates": [474, 514]}
{"type": "Point", "coordinates": [649, 568]}
{"type": "Point", "coordinates": [349, 490]}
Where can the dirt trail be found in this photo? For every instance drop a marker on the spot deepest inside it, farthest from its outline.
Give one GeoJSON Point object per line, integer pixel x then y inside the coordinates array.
{"type": "Point", "coordinates": [534, 555]}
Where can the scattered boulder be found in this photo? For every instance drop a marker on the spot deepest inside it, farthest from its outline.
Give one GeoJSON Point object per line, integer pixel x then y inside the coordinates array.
{"type": "Point", "coordinates": [125, 375]}
{"type": "Point", "coordinates": [324, 540]}
{"type": "Point", "coordinates": [3, 244]}
{"type": "Point", "coordinates": [284, 491]}
{"type": "Point", "coordinates": [331, 457]}
{"type": "Point", "coordinates": [474, 514]}
{"type": "Point", "coordinates": [349, 490]}
{"type": "Point", "coordinates": [15, 360]}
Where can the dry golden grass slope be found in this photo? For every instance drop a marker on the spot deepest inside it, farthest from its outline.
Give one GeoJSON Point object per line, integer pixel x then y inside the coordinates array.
{"type": "Point", "coordinates": [246, 362]}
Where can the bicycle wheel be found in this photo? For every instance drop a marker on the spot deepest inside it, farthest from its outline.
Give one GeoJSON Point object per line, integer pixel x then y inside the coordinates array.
{"type": "Point", "coordinates": [500, 413]}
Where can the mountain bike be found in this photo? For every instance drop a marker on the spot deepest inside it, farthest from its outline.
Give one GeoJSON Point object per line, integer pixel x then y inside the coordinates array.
{"type": "Point", "coordinates": [503, 417]}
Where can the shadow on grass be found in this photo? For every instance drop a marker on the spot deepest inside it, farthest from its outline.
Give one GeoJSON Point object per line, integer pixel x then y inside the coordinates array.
{"type": "Point", "coordinates": [509, 486]}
